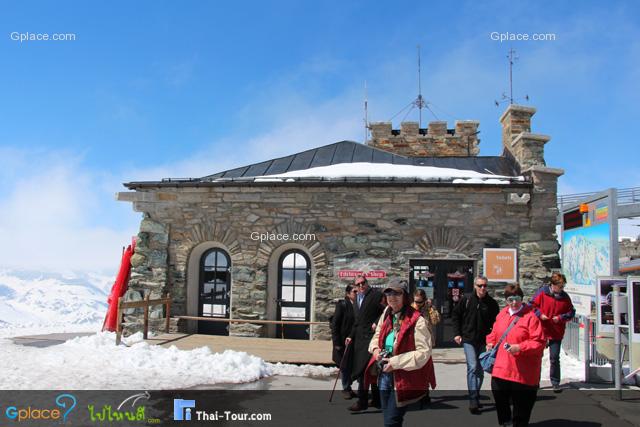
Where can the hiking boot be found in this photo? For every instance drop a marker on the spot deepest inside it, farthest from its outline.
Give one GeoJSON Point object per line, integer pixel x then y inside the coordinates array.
{"type": "Point", "coordinates": [557, 388]}
{"type": "Point", "coordinates": [348, 394]}
{"type": "Point", "coordinates": [473, 408]}
{"type": "Point", "coordinates": [358, 407]}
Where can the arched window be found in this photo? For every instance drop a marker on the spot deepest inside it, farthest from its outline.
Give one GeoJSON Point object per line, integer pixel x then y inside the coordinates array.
{"type": "Point", "coordinates": [215, 291]}
{"type": "Point", "coordinates": [294, 293]}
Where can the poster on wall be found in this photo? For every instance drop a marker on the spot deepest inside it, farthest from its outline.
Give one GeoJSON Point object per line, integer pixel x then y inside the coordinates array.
{"type": "Point", "coordinates": [500, 264]}
{"type": "Point", "coordinates": [605, 303]}
{"type": "Point", "coordinates": [589, 234]}
{"type": "Point", "coordinates": [633, 289]}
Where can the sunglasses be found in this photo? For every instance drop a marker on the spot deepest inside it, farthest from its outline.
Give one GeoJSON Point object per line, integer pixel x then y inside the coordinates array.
{"type": "Point", "coordinates": [419, 302]}
{"type": "Point", "coordinates": [481, 286]}
{"type": "Point", "coordinates": [393, 293]}
{"type": "Point", "coordinates": [514, 298]}
{"type": "Point", "coordinates": [360, 284]}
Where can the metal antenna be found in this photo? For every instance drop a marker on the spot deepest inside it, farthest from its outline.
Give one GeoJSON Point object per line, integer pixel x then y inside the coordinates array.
{"type": "Point", "coordinates": [512, 59]}
{"type": "Point", "coordinates": [366, 113]}
{"type": "Point", "coordinates": [419, 102]}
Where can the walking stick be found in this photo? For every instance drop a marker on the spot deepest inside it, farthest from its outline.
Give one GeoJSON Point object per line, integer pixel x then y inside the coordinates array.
{"type": "Point", "coordinates": [346, 349]}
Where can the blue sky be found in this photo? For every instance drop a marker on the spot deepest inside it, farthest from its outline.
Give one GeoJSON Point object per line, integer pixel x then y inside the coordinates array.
{"type": "Point", "coordinates": [153, 89]}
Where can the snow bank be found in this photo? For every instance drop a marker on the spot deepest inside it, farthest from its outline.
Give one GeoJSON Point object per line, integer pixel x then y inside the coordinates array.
{"type": "Point", "coordinates": [95, 362]}
{"type": "Point", "coordinates": [571, 369]}
{"type": "Point", "coordinates": [388, 170]}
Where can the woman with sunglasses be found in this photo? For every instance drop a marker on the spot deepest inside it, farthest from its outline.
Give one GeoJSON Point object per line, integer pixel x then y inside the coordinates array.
{"type": "Point", "coordinates": [401, 348]}
{"type": "Point", "coordinates": [424, 305]}
{"type": "Point", "coordinates": [516, 373]}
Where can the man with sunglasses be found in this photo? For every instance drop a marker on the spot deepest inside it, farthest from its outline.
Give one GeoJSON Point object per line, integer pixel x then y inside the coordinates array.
{"type": "Point", "coordinates": [473, 318]}
{"type": "Point", "coordinates": [368, 309]}
{"type": "Point", "coordinates": [554, 308]}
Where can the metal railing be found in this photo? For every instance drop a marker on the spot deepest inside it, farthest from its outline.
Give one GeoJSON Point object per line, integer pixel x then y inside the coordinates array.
{"type": "Point", "coordinates": [626, 196]}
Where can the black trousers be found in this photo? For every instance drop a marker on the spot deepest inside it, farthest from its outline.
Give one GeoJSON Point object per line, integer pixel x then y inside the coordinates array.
{"type": "Point", "coordinates": [363, 394]}
{"type": "Point", "coordinates": [507, 394]}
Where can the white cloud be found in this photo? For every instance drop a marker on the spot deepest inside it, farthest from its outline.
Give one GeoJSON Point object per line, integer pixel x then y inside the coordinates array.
{"type": "Point", "coordinates": [54, 218]}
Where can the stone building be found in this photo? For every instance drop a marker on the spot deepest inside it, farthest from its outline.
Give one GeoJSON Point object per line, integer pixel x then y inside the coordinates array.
{"type": "Point", "coordinates": [218, 243]}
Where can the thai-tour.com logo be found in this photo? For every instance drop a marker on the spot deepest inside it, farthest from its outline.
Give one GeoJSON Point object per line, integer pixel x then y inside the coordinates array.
{"type": "Point", "coordinates": [182, 409]}
{"type": "Point", "coordinates": [185, 410]}
{"type": "Point", "coordinates": [59, 411]}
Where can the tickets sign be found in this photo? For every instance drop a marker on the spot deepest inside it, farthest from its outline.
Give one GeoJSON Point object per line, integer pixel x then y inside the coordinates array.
{"type": "Point", "coordinates": [500, 264]}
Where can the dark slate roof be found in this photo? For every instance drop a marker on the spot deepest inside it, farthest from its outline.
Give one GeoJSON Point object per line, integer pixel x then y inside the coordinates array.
{"type": "Point", "coordinates": [342, 152]}
{"type": "Point", "coordinates": [353, 152]}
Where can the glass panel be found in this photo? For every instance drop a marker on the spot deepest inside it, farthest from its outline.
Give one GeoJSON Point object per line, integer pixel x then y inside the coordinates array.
{"type": "Point", "coordinates": [300, 261]}
{"type": "Point", "coordinates": [300, 294]}
{"type": "Point", "coordinates": [287, 262]}
{"type": "Point", "coordinates": [287, 293]}
{"type": "Point", "coordinates": [301, 277]}
{"type": "Point", "coordinates": [221, 292]}
{"type": "Point", "coordinates": [219, 310]}
{"type": "Point", "coordinates": [208, 287]}
{"type": "Point", "coordinates": [210, 260]}
{"type": "Point", "coordinates": [209, 276]}
{"type": "Point", "coordinates": [221, 276]}
{"type": "Point", "coordinates": [222, 261]}
{"type": "Point", "coordinates": [207, 309]}
{"type": "Point", "coordinates": [293, 313]}
{"type": "Point", "coordinates": [287, 277]}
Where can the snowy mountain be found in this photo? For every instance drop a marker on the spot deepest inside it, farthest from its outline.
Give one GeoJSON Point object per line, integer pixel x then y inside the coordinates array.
{"type": "Point", "coordinates": [29, 298]}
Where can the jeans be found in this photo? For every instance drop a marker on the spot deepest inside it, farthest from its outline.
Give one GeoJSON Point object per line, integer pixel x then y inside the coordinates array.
{"type": "Point", "coordinates": [508, 395]}
{"type": "Point", "coordinates": [393, 416]}
{"type": "Point", "coordinates": [475, 374]}
{"type": "Point", "coordinates": [554, 359]}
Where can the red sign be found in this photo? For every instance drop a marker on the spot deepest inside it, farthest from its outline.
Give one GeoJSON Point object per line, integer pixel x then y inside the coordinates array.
{"type": "Point", "coordinates": [373, 274]}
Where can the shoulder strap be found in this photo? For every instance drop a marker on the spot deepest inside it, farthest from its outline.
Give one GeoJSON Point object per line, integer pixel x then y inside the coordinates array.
{"type": "Point", "coordinates": [513, 322]}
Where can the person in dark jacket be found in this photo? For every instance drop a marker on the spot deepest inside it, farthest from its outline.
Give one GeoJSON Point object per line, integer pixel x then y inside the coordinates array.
{"type": "Point", "coordinates": [369, 308]}
{"type": "Point", "coordinates": [473, 318]}
{"type": "Point", "coordinates": [341, 324]}
{"type": "Point", "coordinates": [554, 308]}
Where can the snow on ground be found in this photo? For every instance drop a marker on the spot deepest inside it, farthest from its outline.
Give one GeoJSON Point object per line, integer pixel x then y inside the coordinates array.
{"type": "Point", "coordinates": [52, 300]}
{"type": "Point", "coordinates": [388, 170]}
{"type": "Point", "coordinates": [95, 362]}
{"type": "Point", "coordinates": [571, 369]}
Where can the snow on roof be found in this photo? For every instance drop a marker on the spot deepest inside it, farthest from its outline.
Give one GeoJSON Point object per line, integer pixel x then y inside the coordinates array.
{"type": "Point", "coordinates": [391, 171]}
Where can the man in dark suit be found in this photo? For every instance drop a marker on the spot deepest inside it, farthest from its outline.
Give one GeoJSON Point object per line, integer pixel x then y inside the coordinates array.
{"type": "Point", "coordinates": [368, 311]}
{"type": "Point", "coordinates": [341, 325]}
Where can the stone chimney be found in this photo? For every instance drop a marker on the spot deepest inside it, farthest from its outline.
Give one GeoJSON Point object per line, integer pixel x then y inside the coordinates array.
{"type": "Point", "coordinates": [526, 147]}
{"type": "Point", "coordinates": [435, 141]}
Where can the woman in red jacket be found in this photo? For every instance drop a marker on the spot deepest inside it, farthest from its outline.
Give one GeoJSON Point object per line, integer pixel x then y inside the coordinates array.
{"type": "Point", "coordinates": [516, 372]}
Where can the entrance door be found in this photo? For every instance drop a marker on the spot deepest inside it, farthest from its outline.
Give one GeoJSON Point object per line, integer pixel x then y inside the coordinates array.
{"type": "Point", "coordinates": [444, 281]}
{"type": "Point", "coordinates": [294, 294]}
{"type": "Point", "coordinates": [215, 289]}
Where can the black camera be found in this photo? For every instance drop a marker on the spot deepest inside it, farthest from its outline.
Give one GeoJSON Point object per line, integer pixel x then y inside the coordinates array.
{"type": "Point", "coordinates": [383, 354]}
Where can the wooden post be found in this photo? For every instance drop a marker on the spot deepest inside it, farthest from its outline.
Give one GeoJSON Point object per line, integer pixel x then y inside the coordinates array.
{"type": "Point", "coordinates": [119, 322]}
{"type": "Point", "coordinates": [166, 328]}
{"type": "Point", "coordinates": [145, 330]}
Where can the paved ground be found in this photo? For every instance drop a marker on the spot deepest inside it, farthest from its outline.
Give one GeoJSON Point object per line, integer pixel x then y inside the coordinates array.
{"type": "Point", "coordinates": [296, 400]}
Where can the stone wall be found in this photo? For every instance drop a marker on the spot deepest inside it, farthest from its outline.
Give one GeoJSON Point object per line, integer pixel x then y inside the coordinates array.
{"type": "Point", "coordinates": [379, 223]}
{"type": "Point", "coordinates": [435, 141]}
